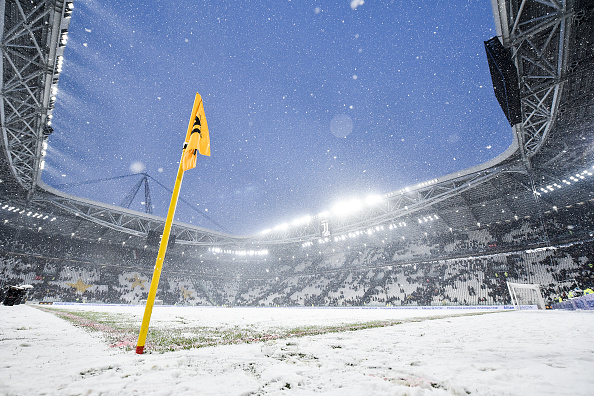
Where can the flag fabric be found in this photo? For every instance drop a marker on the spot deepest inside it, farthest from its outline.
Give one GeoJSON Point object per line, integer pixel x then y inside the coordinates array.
{"type": "Point", "coordinates": [197, 138]}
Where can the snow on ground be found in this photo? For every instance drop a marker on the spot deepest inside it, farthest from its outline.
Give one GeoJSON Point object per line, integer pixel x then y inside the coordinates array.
{"type": "Point", "coordinates": [429, 353]}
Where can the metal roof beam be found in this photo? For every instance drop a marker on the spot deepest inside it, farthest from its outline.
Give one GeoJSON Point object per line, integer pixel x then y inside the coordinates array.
{"type": "Point", "coordinates": [30, 49]}
{"type": "Point", "coordinates": [538, 40]}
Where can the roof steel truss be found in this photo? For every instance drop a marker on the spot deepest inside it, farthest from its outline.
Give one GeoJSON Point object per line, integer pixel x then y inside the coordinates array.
{"type": "Point", "coordinates": [32, 45]}
{"type": "Point", "coordinates": [134, 224]}
{"type": "Point", "coordinates": [537, 32]}
{"type": "Point", "coordinates": [392, 209]}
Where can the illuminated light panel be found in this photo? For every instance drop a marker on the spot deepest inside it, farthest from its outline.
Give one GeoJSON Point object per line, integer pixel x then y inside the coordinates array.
{"type": "Point", "coordinates": [347, 207]}
{"type": "Point", "coordinates": [239, 252]}
{"type": "Point", "coordinates": [371, 200]}
{"type": "Point", "coordinates": [281, 227]}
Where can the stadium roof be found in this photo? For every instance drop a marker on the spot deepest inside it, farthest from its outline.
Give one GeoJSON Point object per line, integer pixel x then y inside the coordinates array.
{"type": "Point", "coordinates": [549, 44]}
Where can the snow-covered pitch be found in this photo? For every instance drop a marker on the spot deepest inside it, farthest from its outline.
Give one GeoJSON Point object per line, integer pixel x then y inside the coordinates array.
{"type": "Point", "coordinates": [348, 352]}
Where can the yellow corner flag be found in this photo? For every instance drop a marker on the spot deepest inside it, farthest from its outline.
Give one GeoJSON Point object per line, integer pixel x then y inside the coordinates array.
{"type": "Point", "coordinates": [197, 139]}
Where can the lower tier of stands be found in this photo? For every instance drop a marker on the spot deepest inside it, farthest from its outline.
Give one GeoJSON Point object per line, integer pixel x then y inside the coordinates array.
{"type": "Point", "coordinates": [379, 281]}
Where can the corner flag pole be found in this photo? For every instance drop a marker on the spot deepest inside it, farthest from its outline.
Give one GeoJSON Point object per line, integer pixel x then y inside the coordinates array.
{"type": "Point", "coordinates": [148, 310]}
{"type": "Point", "coordinates": [197, 141]}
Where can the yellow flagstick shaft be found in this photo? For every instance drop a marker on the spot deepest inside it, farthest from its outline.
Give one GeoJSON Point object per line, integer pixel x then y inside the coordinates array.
{"type": "Point", "coordinates": [150, 302]}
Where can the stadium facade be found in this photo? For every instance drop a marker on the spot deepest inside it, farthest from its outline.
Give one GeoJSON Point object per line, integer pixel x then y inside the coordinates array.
{"type": "Point", "coordinates": [523, 216]}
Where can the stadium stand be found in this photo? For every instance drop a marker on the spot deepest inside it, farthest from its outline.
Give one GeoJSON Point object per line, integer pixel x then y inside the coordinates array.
{"type": "Point", "coordinates": [470, 267]}
{"type": "Point", "coordinates": [525, 216]}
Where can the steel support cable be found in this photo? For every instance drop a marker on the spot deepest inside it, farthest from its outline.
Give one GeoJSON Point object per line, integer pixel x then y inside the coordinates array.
{"type": "Point", "coordinates": [66, 185]}
{"type": "Point", "coordinates": [188, 204]}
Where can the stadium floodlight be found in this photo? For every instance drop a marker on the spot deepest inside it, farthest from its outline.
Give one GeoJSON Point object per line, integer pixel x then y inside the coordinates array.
{"type": "Point", "coordinates": [266, 231]}
{"type": "Point", "coordinates": [281, 227]}
{"type": "Point", "coordinates": [373, 199]}
{"type": "Point", "coordinates": [324, 214]}
{"type": "Point", "coordinates": [301, 220]}
{"type": "Point", "coordinates": [60, 63]}
{"type": "Point", "coordinates": [345, 208]}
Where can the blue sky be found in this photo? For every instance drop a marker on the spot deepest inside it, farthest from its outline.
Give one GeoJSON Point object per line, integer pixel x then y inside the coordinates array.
{"type": "Point", "coordinates": [307, 102]}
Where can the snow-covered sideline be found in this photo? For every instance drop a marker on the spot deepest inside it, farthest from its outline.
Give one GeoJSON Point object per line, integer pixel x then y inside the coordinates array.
{"type": "Point", "coordinates": [429, 353]}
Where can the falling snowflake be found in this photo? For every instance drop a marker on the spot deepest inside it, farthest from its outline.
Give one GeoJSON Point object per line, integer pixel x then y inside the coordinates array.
{"type": "Point", "coordinates": [356, 3]}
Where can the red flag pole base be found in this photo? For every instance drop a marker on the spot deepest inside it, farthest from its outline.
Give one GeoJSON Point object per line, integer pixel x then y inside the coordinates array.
{"type": "Point", "coordinates": [140, 350]}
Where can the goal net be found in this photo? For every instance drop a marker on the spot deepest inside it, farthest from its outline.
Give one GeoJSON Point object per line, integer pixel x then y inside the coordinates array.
{"type": "Point", "coordinates": [525, 294]}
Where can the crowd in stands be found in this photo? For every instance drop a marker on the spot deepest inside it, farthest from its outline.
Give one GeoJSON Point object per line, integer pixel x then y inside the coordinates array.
{"type": "Point", "coordinates": [468, 267]}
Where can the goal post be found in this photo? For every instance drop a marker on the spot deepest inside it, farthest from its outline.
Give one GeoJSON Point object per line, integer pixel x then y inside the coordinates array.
{"type": "Point", "coordinates": [525, 294]}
